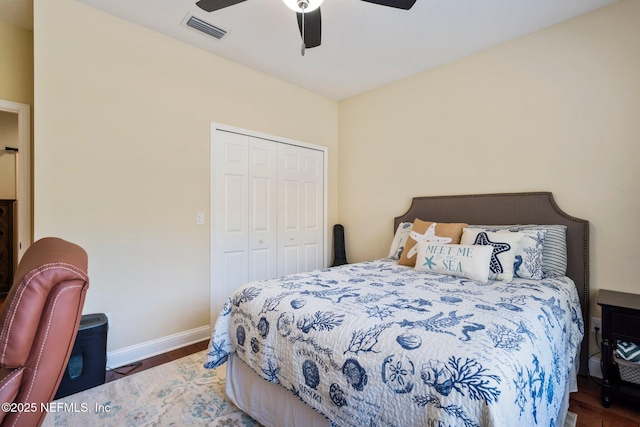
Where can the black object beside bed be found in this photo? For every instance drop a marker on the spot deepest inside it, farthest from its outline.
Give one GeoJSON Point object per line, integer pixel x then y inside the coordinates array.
{"type": "Point", "coordinates": [516, 208]}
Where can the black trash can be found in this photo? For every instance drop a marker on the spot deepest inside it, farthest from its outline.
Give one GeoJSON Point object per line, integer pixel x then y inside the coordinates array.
{"type": "Point", "coordinates": [88, 362]}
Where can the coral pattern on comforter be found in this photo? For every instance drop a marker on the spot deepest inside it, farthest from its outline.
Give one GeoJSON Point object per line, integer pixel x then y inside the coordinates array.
{"type": "Point", "coordinates": [379, 344]}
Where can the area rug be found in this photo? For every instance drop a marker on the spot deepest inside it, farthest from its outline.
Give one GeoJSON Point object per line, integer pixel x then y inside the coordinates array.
{"type": "Point", "coordinates": [178, 393]}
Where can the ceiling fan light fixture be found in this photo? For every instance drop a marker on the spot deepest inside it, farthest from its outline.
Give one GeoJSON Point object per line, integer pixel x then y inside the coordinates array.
{"type": "Point", "coordinates": [303, 6]}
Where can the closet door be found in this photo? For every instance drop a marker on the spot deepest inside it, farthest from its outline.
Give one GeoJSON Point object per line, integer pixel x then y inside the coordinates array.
{"type": "Point", "coordinates": [267, 207]}
{"type": "Point", "coordinates": [230, 257]}
{"type": "Point", "coordinates": [300, 209]}
{"type": "Point", "coordinates": [263, 208]}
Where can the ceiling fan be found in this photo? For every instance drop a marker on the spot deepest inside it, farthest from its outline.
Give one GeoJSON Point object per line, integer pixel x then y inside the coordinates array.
{"type": "Point", "coordinates": [308, 11]}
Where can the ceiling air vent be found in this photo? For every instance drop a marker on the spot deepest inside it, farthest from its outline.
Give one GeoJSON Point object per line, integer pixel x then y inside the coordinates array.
{"type": "Point", "coordinates": [205, 27]}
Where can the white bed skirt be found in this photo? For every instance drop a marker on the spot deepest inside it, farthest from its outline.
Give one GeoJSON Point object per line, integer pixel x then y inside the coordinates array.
{"type": "Point", "coordinates": [269, 404]}
{"type": "Point", "coordinates": [273, 406]}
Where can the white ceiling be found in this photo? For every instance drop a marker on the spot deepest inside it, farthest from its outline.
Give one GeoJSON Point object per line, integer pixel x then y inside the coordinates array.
{"type": "Point", "coordinates": [364, 45]}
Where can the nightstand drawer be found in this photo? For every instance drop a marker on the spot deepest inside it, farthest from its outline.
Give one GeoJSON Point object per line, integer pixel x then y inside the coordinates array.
{"type": "Point", "coordinates": [626, 325]}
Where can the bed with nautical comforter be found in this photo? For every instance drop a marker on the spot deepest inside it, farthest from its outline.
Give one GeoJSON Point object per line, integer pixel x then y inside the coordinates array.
{"type": "Point", "coordinates": [380, 343]}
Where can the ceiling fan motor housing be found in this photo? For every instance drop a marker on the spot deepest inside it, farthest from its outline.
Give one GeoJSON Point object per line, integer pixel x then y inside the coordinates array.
{"type": "Point", "coordinates": [303, 6]}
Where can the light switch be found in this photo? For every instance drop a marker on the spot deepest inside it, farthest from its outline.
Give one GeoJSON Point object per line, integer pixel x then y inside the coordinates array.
{"type": "Point", "coordinates": [200, 218]}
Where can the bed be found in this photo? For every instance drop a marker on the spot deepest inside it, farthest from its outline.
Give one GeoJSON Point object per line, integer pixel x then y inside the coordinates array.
{"type": "Point", "coordinates": [384, 344]}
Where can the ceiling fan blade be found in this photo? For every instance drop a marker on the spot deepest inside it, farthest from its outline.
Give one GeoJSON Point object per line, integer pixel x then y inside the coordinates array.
{"type": "Point", "coordinates": [312, 28]}
{"type": "Point", "coordinates": [400, 4]}
{"type": "Point", "coordinates": [211, 5]}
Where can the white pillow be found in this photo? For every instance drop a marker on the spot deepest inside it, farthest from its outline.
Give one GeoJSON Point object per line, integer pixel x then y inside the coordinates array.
{"type": "Point", "coordinates": [529, 259]}
{"type": "Point", "coordinates": [469, 261]}
{"type": "Point", "coordinates": [505, 247]}
{"type": "Point", "coordinates": [400, 239]}
{"type": "Point", "coordinates": [554, 253]}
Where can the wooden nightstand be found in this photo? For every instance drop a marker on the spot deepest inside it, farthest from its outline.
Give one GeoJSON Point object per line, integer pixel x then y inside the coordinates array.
{"type": "Point", "coordinates": [620, 322]}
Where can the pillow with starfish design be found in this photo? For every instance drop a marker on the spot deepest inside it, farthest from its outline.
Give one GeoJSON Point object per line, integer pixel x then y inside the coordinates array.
{"type": "Point", "coordinates": [554, 247]}
{"type": "Point", "coordinates": [529, 262]}
{"type": "Point", "coordinates": [428, 231]}
{"type": "Point", "coordinates": [468, 261]}
{"type": "Point", "coordinates": [505, 248]}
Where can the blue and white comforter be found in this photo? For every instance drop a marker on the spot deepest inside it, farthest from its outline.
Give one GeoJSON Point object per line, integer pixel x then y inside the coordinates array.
{"type": "Point", "coordinates": [379, 344]}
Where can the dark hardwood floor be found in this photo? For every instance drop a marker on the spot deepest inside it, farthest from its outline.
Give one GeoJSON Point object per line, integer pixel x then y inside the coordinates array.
{"type": "Point", "coordinates": [118, 373]}
{"type": "Point", "coordinates": [591, 413]}
{"type": "Point", "coordinates": [585, 403]}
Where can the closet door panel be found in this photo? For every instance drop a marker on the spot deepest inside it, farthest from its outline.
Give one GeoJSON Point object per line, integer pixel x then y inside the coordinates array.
{"type": "Point", "coordinates": [260, 264]}
{"type": "Point", "coordinates": [312, 195]}
{"type": "Point", "coordinates": [267, 210]}
{"type": "Point", "coordinates": [230, 258]}
{"type": "Point", "coordinates": [233, 269]}
{"type": "Point", "coordinates": [290, 201]}
{"type": "Point", "coordinates": [289, 259]}
{"type": "Point", "coordinates": [313, 204]}
{"type": "Point", "coordinates": [263, 208]}
{"type": "Point", "coordinates": [312, 252]}
{"type": "Point", "coordinates": [301, 207]}
{"type": "Point", "coordinates": [288, 251]}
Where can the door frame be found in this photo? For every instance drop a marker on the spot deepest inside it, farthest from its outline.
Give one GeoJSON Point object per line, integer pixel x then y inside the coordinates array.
{"type": "Point", "coordinates": [24, 234]}
{"type": "Point", "coordinates": [226, 128]}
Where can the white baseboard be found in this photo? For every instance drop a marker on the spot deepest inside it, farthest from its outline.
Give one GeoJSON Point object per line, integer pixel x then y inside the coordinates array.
{"type": "Point", "coordinates": [144, 350]}
{"type": "Point", "coordinates": [594, 367]}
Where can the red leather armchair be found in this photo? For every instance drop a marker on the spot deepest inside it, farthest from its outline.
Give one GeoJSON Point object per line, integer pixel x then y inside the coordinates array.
{"type": "Point", "coordinates": [38, 325]}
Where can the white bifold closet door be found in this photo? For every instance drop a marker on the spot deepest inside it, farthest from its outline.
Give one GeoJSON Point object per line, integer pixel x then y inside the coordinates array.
{"type": "Point", "coordinates": [268, 211]}
{"type": "Point", "coordinates": [263, 209]}
{"type": "Point", "coordinates": [300, 209]}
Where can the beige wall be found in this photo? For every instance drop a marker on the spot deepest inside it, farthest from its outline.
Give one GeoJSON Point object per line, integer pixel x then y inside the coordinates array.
{"type": "Point", "coordinates": [16, 64]}
{"type": "Point", "coordinates": [557, 110]}
{"type": "Point", "coordinates": [122, 158]}
{"type": "Point", "coordinates": [16, 85]}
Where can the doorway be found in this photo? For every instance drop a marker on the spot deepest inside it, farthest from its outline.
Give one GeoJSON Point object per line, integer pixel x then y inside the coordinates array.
{"type": "Point", "coordinates": [15, 159]}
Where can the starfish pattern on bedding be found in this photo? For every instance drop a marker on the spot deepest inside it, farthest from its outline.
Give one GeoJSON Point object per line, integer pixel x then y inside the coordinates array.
{"type": "Point", "coordinates": [218, 351]}
{"type": "Point", "coordinates": [498, 248]}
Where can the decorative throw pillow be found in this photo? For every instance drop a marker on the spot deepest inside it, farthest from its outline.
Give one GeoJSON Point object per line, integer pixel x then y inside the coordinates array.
{"type": "Point", "coordinates": [469, 261]}
{"type": "Point", "coordinates": [554, 253]}
{"type": "Point", "coordinates": [400, 239]}
{"type": "Point", "coordinates": [528, 263]}
{"type": "Point", "coordinates": [427, 231]}
{"type": "Point", "coordinates": [505, 246]}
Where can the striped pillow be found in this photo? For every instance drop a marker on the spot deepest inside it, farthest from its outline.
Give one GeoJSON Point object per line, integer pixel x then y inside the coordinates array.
{"type": "Point", "coordinates": [554, 252]}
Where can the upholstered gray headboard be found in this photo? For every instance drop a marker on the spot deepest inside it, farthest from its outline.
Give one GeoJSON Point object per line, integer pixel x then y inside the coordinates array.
{"type": "Point", "coordinates": [516, 208]}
